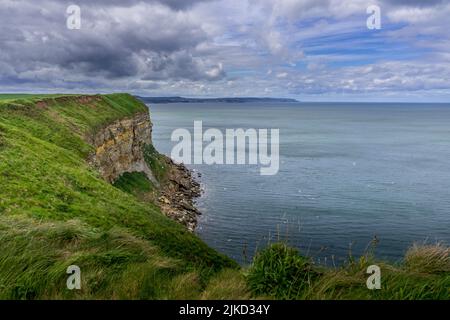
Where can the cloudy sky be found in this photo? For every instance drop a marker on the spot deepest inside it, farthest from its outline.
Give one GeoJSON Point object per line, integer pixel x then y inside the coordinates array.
{"type": "Point", "coordinates": [313, 50]}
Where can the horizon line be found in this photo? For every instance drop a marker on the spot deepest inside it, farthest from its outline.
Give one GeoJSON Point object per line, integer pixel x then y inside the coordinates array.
{"type": "Point", "coordinates": [298, 100]}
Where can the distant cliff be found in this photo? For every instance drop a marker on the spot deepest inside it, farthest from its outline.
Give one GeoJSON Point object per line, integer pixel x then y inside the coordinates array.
{"type": "Point", "coordinates": [213, 100]}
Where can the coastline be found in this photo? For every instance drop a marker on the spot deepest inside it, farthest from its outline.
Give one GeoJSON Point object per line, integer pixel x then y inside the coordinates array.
{"type": "Point", "coordinates": [178, 194]}
{"type": "Point", "coordinates": [70, 214]}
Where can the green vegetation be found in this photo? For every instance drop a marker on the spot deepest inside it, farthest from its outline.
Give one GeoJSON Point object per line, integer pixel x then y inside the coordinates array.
{"type": "Point", "coordinates": [30, 97]}
{"type": "Point", "coordinates": [135, 183]}
{"type": "Point", "coordinates": [156, 162]}
{"type": "Point", "coordinates": [281, 272]}
{"type": "Point", "coordinates": [56, 211]}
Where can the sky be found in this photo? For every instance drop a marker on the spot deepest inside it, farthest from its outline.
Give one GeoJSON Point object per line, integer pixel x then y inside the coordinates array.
{"type": "Point", "coordinates": [311, 50]}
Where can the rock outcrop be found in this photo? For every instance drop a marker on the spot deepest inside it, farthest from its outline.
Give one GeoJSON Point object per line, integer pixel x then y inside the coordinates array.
{"type": "Point", "coordinates": [119, 147]}
{"type": "Point", "coordinates": [178, 193]}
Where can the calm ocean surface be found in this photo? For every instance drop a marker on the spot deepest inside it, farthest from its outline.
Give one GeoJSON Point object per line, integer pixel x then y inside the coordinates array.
{"type": "Point", "coordinates": [348, 172]}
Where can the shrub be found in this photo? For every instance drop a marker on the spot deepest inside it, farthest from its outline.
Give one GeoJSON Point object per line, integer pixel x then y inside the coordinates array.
{"type": "Point", "coordinates": [280, 272]}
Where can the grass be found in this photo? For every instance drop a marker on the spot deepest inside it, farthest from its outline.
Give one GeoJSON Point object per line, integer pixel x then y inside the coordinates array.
{"type": "Point", "coordinates": [56, 211]}
{"type": "Point", "coordinates": [30, 97]}
{"type": "Point", "coordinates": [157, 162]}
{"type": "Point", "coordinates": [135, 183]}
{"type": "Point", "coordinates": [114, 263]}
{"type": "Point", "coordinates": [281, 272]}
{"type": "Point", "coordinates": [428, 258]}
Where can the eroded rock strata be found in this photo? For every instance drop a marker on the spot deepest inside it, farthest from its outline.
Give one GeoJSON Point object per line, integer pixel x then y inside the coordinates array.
{"type": "Point", "coordinates": [119, 148]}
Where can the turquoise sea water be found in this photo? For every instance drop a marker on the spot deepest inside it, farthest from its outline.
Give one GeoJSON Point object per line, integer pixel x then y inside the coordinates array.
{"type": "Point", "coordinates": [348, 172]}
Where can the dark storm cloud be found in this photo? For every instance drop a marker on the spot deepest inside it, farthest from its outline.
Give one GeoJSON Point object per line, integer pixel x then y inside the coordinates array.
{"type": "Point", "coordinates": [113, 42]}
{"type": "Point", "coordinates": [179, 65]}
{"type": "Point", "coordinates": [180, 4]}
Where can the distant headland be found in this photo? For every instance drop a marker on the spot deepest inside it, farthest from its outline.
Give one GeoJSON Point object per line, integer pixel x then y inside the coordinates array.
{"type": "Point", "coordinates": [204, 100]}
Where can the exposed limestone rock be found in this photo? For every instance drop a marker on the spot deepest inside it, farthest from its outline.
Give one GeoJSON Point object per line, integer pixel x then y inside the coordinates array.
{"type": "Point", "coordinates": [119, 147]}
{"type": "Point", "coordinates": [178, 194]}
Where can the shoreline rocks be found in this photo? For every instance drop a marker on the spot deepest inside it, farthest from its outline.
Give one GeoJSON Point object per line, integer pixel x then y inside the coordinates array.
{"type": "Point", "coordinates": [178, 194]}
{"type": "Point", "coordinates": [119, 149]}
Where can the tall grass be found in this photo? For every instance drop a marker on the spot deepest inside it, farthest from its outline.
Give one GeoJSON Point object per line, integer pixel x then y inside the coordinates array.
{"type": "Point", "coordinates": [427, 259]}
{"type": "Point", "coordinates": [281, 272]}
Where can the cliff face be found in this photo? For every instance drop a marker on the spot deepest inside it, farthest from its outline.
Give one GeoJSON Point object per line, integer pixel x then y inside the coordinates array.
{"type": "Point", "coordinates": [119, 147]}
{"type": "Point", "coordinates": [54, 212]}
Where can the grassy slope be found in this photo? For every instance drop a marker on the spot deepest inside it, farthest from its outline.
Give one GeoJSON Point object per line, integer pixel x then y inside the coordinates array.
{"type": "Point", "coordinates": [281, 272]}
{"type": "Point", "coordinates": [56, 211]}
{"type": "Point", "coordinates": [7, 97]}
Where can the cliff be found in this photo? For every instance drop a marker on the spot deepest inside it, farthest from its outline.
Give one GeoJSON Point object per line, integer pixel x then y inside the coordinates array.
{"type": "Point", "coordinates": [125, 146]}
{"type": "Point", "coordinates": [80, 184]}
{"type": "Point", "coordinates": [119, 147]}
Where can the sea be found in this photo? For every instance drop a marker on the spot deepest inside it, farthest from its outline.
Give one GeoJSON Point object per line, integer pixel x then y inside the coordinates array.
{"type": "Point", "coordinates": [353, 179]}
